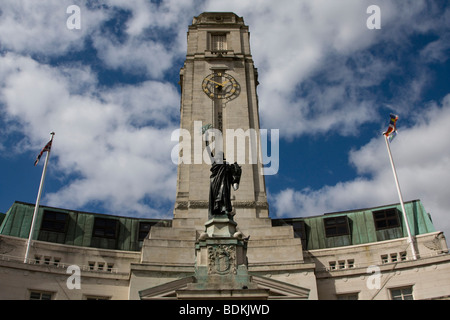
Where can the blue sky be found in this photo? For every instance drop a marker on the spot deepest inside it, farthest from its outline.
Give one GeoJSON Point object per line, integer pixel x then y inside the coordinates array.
{"type": "Point", "coordinates": [328, 83]}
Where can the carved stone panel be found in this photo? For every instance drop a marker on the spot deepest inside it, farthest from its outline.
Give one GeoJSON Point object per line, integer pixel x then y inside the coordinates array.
{"type": "Point", "coordinates": [222, 259]}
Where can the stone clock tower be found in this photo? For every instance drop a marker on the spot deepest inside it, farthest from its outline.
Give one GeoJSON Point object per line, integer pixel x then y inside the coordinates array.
{"type": "Point", "coordinates": [219, 91]}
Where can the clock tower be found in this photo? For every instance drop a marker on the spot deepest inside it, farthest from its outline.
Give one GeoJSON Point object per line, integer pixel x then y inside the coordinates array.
{"type": "Point", "coordinates": [218, 91]}
{"type": "Point", "coordinates": [219, 103]}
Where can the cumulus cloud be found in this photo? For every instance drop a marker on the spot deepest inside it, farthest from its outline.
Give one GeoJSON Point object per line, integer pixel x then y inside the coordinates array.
{"type": "Point", "coordinates": [112, 144]}
{"type": "Point", "coordinates": [318, 61]}
{"type": "Point", "coordinates": [39, 27]}
{"type": "Point", "coordinates": [146, 37]}
{"type": "Point", "coordinates": [116, 157]}
{"type": "Point", "coordinates": [422, 158]}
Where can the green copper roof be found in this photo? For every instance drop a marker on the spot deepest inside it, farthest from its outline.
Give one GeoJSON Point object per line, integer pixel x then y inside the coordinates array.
{"type": "Point", "coordinates": [126, 233]}
{"type": "Point", "coordinates": [361, 225]}
{"type": "Point", "coordinates": [76, 228]}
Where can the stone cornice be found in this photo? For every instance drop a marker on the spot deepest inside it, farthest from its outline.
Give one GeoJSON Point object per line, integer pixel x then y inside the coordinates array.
{"type": "Point", "coordinates": [201, 204]}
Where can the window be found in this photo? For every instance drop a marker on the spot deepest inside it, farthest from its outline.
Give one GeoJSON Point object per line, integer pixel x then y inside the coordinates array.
{"type": "Point", "coordinates": [350, 263]}
{"type": "Point", "coordinates": [100, 266]}
{"type": "Point", "coordinates": [218, 42]}
{"type": "Point", "coordinates": [54, 221]}
{"type": "Point", "coordinates": [144, 229]}
{"type": "Point", "coordinates": [91, 265]}
{"type": "Point", "coordinates": [336, 226]}
{"type": "Point", "coordinates": [38, 295]}
{"type": "Point", "coordinates": [405, 293]}
{"type": "Point", "coordinates": [110, 267]}
{"type": "Point", "coordinates": [393, 257]}
{"type": "Point", "coordinates": [105, 228]}
{"type": "Point", "coordinates": [341, 264]}
{"type": "Point", "coordinates": [385, 219]}
{"type": "Point", "coordinates": [403, 256]}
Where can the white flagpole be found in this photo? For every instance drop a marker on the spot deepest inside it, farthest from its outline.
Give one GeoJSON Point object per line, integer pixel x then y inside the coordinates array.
{"type": "Point", "coordinates": [410, 238]}
{"type": "Point", "coordinates": [36, 207]}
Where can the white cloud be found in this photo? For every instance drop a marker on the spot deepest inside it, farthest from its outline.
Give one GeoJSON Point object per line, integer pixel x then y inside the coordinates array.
{"type": "Point", "coordinates": [152, 34]}
{"type": "Point", "coordinates": [116, 161]}
{"type": "Point", "coordinates": [152, 37]}
{"type": "Point", "coordinates": [295, 41]}
{"type": "Point", "coordinates": [422, 158]}
{"type": "Point", "coordinates": [163, 99]}
{"type": "Point", "coordinates": [135, 55]}
{"type": "Point", "coordinates": [112, 144]}
{"type": "Point", "coordinates": [39, 27]}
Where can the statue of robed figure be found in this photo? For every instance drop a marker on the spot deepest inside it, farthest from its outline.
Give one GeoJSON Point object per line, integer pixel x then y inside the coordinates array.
{"type": "Point", "coordinates": [223, 177]}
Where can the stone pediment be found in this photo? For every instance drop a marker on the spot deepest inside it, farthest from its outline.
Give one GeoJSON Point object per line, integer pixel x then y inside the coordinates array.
{"type": "Point", "coordinates": [281, 290]}
{"type": "Point", "coordinates": [266, 288]}
{"type": "Point", "coordinates": [166, 290]}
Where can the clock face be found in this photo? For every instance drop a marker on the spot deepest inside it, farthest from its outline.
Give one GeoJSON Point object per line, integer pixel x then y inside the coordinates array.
{"type": "Point", "coordinates": [221, 85]}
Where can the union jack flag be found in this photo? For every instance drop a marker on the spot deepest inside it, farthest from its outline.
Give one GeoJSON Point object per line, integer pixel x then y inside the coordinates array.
{"type": "Point", "coordinates": [47, 148]}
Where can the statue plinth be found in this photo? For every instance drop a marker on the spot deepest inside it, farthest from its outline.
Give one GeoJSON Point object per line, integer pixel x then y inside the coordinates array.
{"type": "Point", "coordinates": [221, 251]}
{"type": "Point", "coordinates": [221, 262]}
{"type": "Point", "coordinates": [220, 226]}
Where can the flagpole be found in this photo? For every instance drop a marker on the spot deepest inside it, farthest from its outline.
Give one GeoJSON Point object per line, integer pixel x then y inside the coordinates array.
{"type": "Point", "coordinates": [38, 199]}
{"type": "Point", "coordinates": [410, 238]}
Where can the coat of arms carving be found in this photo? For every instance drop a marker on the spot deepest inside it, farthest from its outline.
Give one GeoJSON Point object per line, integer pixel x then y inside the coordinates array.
{"type": "Point", "coordinates": [222, 259]}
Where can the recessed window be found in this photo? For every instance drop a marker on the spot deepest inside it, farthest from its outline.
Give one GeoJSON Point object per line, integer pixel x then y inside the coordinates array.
{"type": "Point", "coordinates": [218, 42]}
{"type": "Point", "coordinates": [341, 264]}
{"type": "Point", "coordinates": [332, 265]}
{"type": "Point", "coordinates": [394, 257]}
{"type": "Point", "coordinates": [385, 219]}
{"type": "Point", "coordinates": [403, 256]}
{"type": "Point", "coordinates": [336, 226]}
{"type": "Point", "coordinates": [105, 228]}
{"type": "Point", "coordinates": [350, 263]}
{"type": "Point", "coordinates": [39, 295]}
{"type": "Point", "coordinates": [405, 293]}
{"type": "Point", "coordinates": [54, 221]}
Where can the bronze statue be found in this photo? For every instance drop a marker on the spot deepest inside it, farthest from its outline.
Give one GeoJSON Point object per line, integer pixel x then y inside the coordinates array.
{"type": "Point", "coordinates": [223, 177]}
